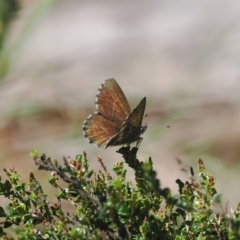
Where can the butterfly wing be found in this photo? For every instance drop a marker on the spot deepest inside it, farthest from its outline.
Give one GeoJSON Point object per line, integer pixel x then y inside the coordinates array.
{"type": "Point", "coordinates": [136, 116]}
{"type": "Point", "coordinates": [112, 110]}
{"type": "Point", "coordinates": [112, 103]}
{"type": "Point", "coordinates": [131, 129]}
{"type": "Point", "coordinates": [99, 129]}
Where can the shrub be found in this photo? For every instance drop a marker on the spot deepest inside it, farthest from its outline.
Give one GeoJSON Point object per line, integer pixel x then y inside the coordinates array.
{"type": "Point", "coordinates": [110, 207]}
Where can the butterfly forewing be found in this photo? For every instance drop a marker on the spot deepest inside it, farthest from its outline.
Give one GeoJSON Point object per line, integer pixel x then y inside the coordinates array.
{"type": "Point", "coordinates": [136, 116]}
{"type": "Point", "coordinates": [112, 103]}
{"type": "Point", "coordinates": [131, 129]}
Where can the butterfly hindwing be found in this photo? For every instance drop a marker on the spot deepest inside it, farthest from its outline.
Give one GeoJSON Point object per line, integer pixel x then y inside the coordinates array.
{"type": "Point", "coordinates": [99, 129]}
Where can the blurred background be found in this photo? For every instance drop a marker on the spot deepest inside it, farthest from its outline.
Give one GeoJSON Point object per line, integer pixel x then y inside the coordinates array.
{"type": "Point", "coordinates": [183, 56]}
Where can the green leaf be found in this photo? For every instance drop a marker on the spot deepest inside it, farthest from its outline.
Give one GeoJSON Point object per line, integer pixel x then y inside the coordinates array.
{"type": "Point", "coordinates": [217, 198]}
{"type": "Point", "coordinates": [34, 153]}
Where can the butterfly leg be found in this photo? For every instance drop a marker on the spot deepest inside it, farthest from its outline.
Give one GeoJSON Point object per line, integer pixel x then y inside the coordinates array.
{"type": "Point", "coordinates": [139, 141]}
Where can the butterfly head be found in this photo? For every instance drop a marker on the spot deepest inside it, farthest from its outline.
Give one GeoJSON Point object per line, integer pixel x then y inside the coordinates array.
{"type": "Point", "coordinates": [143, 129]}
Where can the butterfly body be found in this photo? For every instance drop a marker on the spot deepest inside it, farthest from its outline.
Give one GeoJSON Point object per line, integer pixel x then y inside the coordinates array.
{"type": "Point", "coordinates": [114, 124]}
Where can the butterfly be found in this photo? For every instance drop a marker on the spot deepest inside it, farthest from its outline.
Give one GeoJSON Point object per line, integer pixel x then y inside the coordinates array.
{"type": "Point", "coordinates": [113, 123]}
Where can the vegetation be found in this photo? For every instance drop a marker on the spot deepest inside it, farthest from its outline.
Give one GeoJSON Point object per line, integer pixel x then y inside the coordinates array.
{"type": "Point", "coordinates": [110, 207]}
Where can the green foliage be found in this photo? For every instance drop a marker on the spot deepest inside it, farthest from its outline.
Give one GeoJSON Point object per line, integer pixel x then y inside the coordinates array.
{"type": "Point", "coordinates": [8, 9]}
{"type": "Point", "coordinates": [111, 207]}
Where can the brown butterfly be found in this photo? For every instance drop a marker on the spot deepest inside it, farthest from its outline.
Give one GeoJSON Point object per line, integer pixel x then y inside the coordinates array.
{"type": "Point", "coordinates": [114, 124]}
